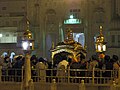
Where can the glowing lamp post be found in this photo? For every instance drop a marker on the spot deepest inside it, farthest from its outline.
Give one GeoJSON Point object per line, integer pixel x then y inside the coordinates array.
{"type": "Point", "coordinates": [100, 44]}
{"type": "Point", "coordinates": [28, 42]}
{"type": "Point", "coordinates": [27, 46]}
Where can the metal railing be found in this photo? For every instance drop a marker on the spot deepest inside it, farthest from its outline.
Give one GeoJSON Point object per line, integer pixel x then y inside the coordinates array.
{"type": "Point", "coordinates": [95, 76]}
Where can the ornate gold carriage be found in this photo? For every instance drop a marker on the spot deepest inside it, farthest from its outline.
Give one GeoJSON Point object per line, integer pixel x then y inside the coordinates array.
{"type": "Point", "coordinates": [67, 48]}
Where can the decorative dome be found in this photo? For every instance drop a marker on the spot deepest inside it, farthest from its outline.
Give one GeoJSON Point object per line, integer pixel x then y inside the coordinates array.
{"type": "Point", "coordinates": [27, 34]}
{"type": "Point", "coordinates": [100, 38]}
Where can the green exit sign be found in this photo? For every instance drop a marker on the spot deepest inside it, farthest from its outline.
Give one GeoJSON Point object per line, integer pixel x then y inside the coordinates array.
{"type": "Point", "coordinates": [72, 21]}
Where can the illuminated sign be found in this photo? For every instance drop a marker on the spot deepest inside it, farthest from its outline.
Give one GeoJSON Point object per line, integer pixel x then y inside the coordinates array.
{"type": "Point", "coordinates": [72, 21]}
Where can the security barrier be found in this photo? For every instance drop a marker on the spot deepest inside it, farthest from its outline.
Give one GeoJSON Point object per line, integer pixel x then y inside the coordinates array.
{"type": "Point", "coordinates": [95, 76]}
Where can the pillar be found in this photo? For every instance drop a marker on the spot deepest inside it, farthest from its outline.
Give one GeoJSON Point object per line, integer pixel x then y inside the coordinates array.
{"type": "Point", "coordinates": [82, 85]}
{"type": "Point", "coordinates": [93, 75]}
{"type": "Point", "coordinates": [31, 85]}
{"type": "Point", "coordinates": [113, 86]}
{"type": "Point", "coordinates": [53, 85]}
{"type": "Point", "coordinates": [27, 76]}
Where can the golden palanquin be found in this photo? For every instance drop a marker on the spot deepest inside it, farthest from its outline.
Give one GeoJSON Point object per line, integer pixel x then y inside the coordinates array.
{"type": "Point", "coordinates": [68, 47]}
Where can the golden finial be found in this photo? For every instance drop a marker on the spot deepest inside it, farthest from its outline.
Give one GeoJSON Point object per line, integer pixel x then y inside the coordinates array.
{"type": "Point", "coordinates": [28, 25]}
{"type": "Point", "coordinates": [28, 22]}
{"type": "Point", "coordinates": [53, 45]}
{"type": "Point", "coordinates": [100, 38]}
{"type": "Point", "coordinates": [28, 34]}
{"type": "Point", "coordinates": [101, 30]}
{"type": "Point", "coordinates": [69, 36]}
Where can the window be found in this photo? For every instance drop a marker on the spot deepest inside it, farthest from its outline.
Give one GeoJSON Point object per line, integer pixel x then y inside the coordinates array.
{"type": "Point", "coordinates": [51, 17]}
{"type": "Point", "coordinates": [23, 7]}
{"type": "Point", "coordinates": [8, 38]}
{"type": "Point", "coordinates": [7, 35]}
{"type": "Point", "coordinates": [70, 10]}
{"type": "Point", "coordinates": [119, 38]}
{"type": "Point", "coordinates": [14, 23]}
{"type": "Point", "coordinates": [99, 15]}
{"type": "Point", "coordinates": [1, 35]}
{"type": "Point", "coordinates": [113, 38]}
{"type": "Point", "coordinates": [14, 35]}
{"type": "Point", "coordinates": [3, 8]}
{"type": "Point", "coordinates": [7, 23]}
{"type": "Point", "coordinates": [95, 39]}
{"type": "Point", "coordinates": [79, 37]}
{"type": "Point", "coordinates": [75, 12]}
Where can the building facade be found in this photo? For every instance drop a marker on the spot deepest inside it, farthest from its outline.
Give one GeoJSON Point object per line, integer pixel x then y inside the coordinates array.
{"type": "Point", "coordinates": [49, 20]}
{"type": "Point", "coordinates": [11, 15]}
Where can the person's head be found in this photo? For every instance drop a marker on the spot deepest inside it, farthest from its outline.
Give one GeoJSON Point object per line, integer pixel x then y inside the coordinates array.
{"type": "Point", "coordinates": [82, 56]}
{"type": "Point", "coordinates": [6, 59]}
{"type": "Point", "coordinates": [69, 60]}
{"type": "Point", "coordinates": [41, 59]}
{"type": "Point", "coordinates": [33, 57]}
{"type": "Point", "coordinates": [94, 57]}
{"type": "Point", "coordinates": [115, 57]}
{"type": "Point", "coordinates": [107, 58]}
{"type": "Point", "coordinates": [18, 58]}
{"type": "Point", "coordinates": [101, 56]}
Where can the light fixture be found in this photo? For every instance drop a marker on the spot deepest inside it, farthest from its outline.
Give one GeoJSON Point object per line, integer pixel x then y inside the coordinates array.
{"type": "Point", "coordinates": [71, 16]}
{"type": "Point", "coordinates": [1, 35]}
{"type": "Point", "coordinates": [100, 44]}
{"type": "Point", "coordinates": [27, 42]}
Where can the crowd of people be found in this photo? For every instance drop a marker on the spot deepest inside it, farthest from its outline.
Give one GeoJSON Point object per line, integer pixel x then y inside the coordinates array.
{"type": "Point", "coordinates": [40, 65]}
